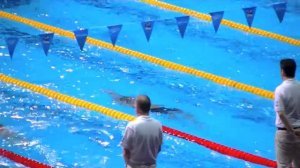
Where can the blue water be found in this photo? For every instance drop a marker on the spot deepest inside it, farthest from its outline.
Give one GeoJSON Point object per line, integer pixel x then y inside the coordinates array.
{"type": "Point", "coordinates": [6, 163]}
{"type": "Point", "coordinates": [65, 136]}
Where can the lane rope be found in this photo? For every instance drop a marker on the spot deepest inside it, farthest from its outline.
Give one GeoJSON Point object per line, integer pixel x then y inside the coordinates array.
{"type": "Point", "coordinates": [145, 57]}
{"type": "Point", "coordinates": [22, 160]}
{"type": "Point", "coordinates": [122, 116]}
{"type": "Point", "coordinates": [228, 23]}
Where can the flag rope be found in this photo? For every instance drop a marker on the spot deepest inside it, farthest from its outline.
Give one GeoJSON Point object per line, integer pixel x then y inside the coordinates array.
{"type": "Point", "coordinates": [164, 63]}
{"type": "Point", "coordinates": [224, 22]}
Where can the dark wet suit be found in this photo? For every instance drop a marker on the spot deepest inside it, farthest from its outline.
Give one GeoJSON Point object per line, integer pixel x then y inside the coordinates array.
{"type": "Point", "coordinates": [156, 109]}
{"type": "Point", "coordinates": [129, 101]}
{"type": "Point", "coordinates": [164, 110]}
{"type": "Point", "coordinates": [126, 100]}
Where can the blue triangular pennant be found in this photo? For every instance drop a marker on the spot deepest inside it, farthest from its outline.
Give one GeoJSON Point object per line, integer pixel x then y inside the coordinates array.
{"type": "Point", "coordinates": [11, 43]}
{"type": "Point", "coordinates": [182, 23]}
{"type": "Point", "coordinates": [148, 27]}
{"type": "Point", "coordinates": [81, 35]}
{"type": "Point", "coordinates": [216, 18]}
{"type": "Point", "coordinates": [46, 40]}
{"type": "Point", "coordinates": [114, 33]}
{"type": "Point", "coordinates": [280, 9]}
{"type": "Point", "coordinates": [249, 14]}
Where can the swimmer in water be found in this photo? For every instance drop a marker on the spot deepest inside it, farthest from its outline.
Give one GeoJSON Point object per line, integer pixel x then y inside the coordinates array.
{"type": "Point", "coordinates": [12, 138]}
{"type": "Point", "coordinates": [4, 132]}
{"type": "Point", "coordinates": [129, 102]}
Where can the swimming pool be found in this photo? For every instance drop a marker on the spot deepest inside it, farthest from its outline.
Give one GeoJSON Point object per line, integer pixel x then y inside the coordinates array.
{"type": "Point", "coordinates": [65, 136]}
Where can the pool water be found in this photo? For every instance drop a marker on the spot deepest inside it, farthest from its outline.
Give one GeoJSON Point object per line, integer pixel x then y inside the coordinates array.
{"type": "Point", "coordinates": [62, 135]}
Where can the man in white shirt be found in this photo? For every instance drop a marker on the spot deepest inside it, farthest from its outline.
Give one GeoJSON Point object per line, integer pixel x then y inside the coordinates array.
{"type": "Point", "coordinates": [287, 107]}
{"type": "Point", "coordinates": [143, 137]}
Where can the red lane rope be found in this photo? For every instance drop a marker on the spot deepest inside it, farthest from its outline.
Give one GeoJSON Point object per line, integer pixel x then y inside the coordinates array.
{"type": "Point", "coordinates": [118, 115]}
{"type": "Point", "coordinates": [209, 144]}
{"type": "Point", "coordinates": [221, 148]}
{"type": "Point", "coordinates": [23, 160]}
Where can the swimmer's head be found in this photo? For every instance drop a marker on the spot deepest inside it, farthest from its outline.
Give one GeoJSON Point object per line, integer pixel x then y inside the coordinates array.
{"type": "Point", "coordinates": [142, 105]}
{"type": "Point", "coordinates": [1, 125]}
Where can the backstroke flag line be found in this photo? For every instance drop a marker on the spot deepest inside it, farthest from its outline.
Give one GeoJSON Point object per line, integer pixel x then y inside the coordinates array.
{"type": "Point", "coordinates": [182, 23]}
{"type": "Point", "coordinates": [46, 40]}
{"type": "Point", "coordinates": [114, 33]}
{"type": "Point", "coordinates": [280, 9]}
{"type": "Point", "coordinates": [216, 18]}
{"type": "Point", "coordinates": [249, 14]}
{"type": "Point", "coordinates": [11, 43]}
{"type": "Point", "coordinates": [148, 27]}
{"type": "Point", "coordinates": [80, 36]}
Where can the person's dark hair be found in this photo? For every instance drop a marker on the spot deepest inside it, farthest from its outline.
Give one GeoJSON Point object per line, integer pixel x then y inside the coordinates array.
{"type": "Point", "coordinates": [289, 67]}
{"type": "Point", "coordinates": [143, 103]}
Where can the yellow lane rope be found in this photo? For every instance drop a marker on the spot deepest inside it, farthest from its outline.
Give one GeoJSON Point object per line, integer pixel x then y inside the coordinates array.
{"type": "Point", "coordinates": [121, 116]}
{"type": "Point", "coordinates": [145, 57]}
{"type": "Point", "coordinates": [225, 22]}
{"type": "Point", "coordinates": [67, 99]}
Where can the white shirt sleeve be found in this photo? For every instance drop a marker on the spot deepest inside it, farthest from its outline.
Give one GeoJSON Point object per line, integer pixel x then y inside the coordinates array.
{"type": "Point", "coordinates": [127, 139]}
{"type": "Point", "coordinates": [278, 101]}
{"type": "Point", "coordinates": [161, 135]}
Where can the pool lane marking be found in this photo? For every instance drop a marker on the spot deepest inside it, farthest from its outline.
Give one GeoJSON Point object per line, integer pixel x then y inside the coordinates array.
{"type": "Point", "coordinates": [123, 116]}
{"type": "Point", "coordinates": [22, 160]}
{"type": "Point", "coordinates": [225, 22]}
{"type": "Point", "coordinates": [164, 63]}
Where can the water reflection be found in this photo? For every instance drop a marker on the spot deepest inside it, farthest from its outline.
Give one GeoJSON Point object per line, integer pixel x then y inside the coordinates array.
{"type": "Point", "coordinates": [26, 114]}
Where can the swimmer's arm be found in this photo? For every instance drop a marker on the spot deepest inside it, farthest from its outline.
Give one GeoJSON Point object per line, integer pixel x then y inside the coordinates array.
{"type": "Point", "coordinates": [161, 139]}
{"type": "Point", "coordinates": [111, 93]}
{"type": "Point", "coordinates": [127, 143]}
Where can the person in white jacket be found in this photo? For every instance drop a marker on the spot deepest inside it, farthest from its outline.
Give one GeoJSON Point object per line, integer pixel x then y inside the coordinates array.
{"type": "Point", "coordinates": [143, 137]}
{"type": "Point", "coordinates": [287, 108]}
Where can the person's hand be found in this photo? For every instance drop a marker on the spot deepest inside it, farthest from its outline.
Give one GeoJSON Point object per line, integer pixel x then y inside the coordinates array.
{"type": "Point", "coordinates": [297, 133]}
